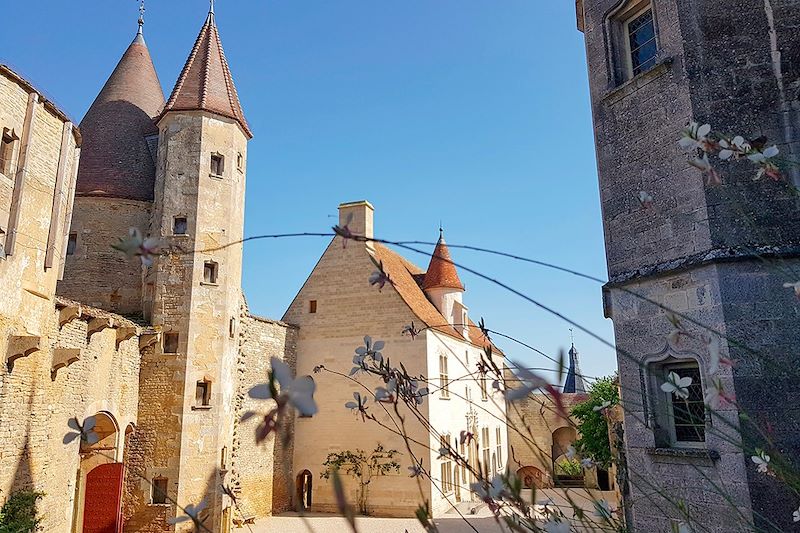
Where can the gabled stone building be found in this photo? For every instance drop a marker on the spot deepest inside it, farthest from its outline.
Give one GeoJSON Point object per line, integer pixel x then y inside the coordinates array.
{"type": "Point", "coordinates": [718, 254]}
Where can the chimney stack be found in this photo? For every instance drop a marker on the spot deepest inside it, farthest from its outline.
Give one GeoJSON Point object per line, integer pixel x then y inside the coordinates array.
{"type": "Point", "coordinates": [361, 222]}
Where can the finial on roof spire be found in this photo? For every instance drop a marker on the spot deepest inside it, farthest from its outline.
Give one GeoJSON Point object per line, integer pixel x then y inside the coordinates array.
{"type": "Point", "coordinates": [211, 8]}
{"type": "Point", "coordinates": [141, 16]}
{"type": "Point", "coordinates": [572, 336]}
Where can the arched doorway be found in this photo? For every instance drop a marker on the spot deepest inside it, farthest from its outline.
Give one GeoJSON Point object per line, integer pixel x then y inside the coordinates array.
{"type": "Point", "coordinates": [566, 472]}
{"type": "Point", "coordinates": [99, 487]}
{"type": "Point", "coordinates": [304, 486]}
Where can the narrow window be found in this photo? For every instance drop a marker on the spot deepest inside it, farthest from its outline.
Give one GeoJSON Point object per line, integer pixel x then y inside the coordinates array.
{"type": "Point", "coordinates": [312, 306]}
{"type": "Point", "coordinates": [7, 153]}
{"type": "Point", "coordinates": [486, 449]}
{"type": "Point", "coordinates": [232, 328]}
{"type": "Point", "coordinates": [687, 416]}
{"type": "Point", "coordinates": [640, 42]}
{"type": "Point", "coordinates": [484, 392]}
{"type": "Point", "coordinates": [202, 395]}
{"type": "Point", "coordinates": [223, 459]}
{"type": "Point", "coordinates": [499, 441]}
{"type": "Point", "coordinates": [444, 381]}
{"type": "Point", "coordinates": [72, 243]}
{"type": "Point", "coordinates": [240, 162]}
{"type": "Point", "coordinates": [446, 468]}
{"type": "Point", "coordinates": [171, 342]}
{"type": "Point", "coordinates": [159, 491]}
{"type": "Point", "coordinates": [210, 272]}
{"type": "Point", "coordinates": [217, 165]}
{"type": "Point", "coordinates": [179, 226]}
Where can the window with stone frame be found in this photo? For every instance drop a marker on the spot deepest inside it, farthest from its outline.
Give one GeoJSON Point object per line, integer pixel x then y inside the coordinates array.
{"type": "Point", "coordinates": [444, 380]}
{"type": "Point", "coordinates": [179, 225]}
{"type": "Point", "coordinates": [202, 395]}
{"type": "Point", "coordinates": [482, 382]}
{"type": "Point", "coordinates": [312, 306]}
{"type": "Point", "coordinates": [171, 342]}
{"type": "Point", "coordinates": [634, 38]}
{"type": "Point", "coordinates": [217, 165]}
{"type": "Point", "coordinates": [446, 467]}
{"type": "Point", "coordinates": [210, 271]}
{"type": "Point", "coordinates": [232, 328]}
{"type": "Point", "coordinates": [680, 422]}
{"type": "Point", "coordinates": [240, 162]}
{"type": "Point", "coordinates": [499, 444]}
{"type": "Point", "coordinates": [486, 448]}
{"type": "Point", "coordinates": [158, 494]}
{"type": "Point", "coordinates": [8, 143]}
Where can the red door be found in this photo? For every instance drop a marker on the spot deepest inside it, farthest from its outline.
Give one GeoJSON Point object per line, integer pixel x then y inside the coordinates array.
{"type": "Point", "coordinates": [102, 505]}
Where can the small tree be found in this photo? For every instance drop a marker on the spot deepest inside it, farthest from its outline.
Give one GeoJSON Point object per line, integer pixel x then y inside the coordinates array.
{"type": "Point", "coordinates": [19, 514]}
{"type": "Point", "coordinates": [362, 467]}
{"type": "Point", "coordinates": [592, 424]}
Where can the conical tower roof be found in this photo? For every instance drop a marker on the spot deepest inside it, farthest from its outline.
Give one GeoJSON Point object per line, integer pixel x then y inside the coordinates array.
{"type": "Point", "coordinates": [206, 84]}
{"type": "Point", "coordinates": [441, 271]}
{"type": "Point", "coordinates": [574, 381]}
{"type": "Point", "coordinates": [116, 160]}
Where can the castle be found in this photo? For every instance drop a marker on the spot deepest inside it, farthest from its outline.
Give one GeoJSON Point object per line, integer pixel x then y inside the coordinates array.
{"type": "Point", "coordinates": [159, 355]}
{"type": "Point", "coordinates": [718, 254]}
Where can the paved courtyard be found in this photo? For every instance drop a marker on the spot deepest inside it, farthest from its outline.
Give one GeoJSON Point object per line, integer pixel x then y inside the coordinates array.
{"type": "Point", "coordinates": [324, 523]}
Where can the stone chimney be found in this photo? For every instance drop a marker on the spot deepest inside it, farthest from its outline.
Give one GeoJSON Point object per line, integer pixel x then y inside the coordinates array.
{"type": "Point", "coordinates": [360, 215]}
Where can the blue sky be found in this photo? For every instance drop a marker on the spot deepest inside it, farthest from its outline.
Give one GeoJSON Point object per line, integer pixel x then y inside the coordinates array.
{"type": "Point", "coordinates": [472, 112]}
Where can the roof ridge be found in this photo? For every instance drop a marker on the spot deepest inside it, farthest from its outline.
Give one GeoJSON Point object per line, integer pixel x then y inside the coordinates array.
{"type": "Point", "coordinates": [207, 62]}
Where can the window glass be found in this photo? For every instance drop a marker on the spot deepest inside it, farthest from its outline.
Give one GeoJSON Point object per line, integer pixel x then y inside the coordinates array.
{"type": "Point", "coordinates": [689, 415]}
{"type": "Point", "coordinates": [642, 42]}
{"type": "Point", "coordinates": [179, 227]}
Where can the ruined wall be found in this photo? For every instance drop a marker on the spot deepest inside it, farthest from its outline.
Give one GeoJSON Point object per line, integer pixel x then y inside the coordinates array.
{"type": "Point", "coordinates": [96, 274]}
{"type": "Point", "coordinates": [261, 474]}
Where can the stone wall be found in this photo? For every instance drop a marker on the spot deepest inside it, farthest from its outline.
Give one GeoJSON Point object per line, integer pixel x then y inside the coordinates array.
{"type": "Point", "coordinates": [261, 472]}
{"type": "Point", "coordinates": [96, 273]}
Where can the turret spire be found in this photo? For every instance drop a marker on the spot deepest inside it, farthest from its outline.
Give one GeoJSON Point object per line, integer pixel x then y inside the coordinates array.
{"type": "Point", "coordinates": [441, 271]}
{"type": "Point", "coordinates": [574, 381]}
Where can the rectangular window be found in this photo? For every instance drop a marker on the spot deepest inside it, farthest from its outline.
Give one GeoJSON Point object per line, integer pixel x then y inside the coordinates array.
{"type": "Point", "coordinates": [312, 306]}
{"type": "Point", "coordinates": [640, 35]}
{"type": "Point", "coordinates": [7, 153]}
{"type": "Point", "coordinates": [444, 381]}
{"type": "Point", "coordinates": [486, 449]}
{"type": "Point", "coordinates": [223, 459]}
{"type": "Point", "coordinates": [446, 468]}
{"type": "Point", "coordinates": [72, 243]}
{"type": "Point", "coordinates": [170, 342]}
{"type": "Point", "coordinates": [240, 162]}
{"type": "Point", "coordinates": [499, 440]}
{"type": "Point", "coordinates": [232, 328]}
{"type": "Point", "coordinates": [210, 272]}
{"type": "Point", "coordinates": [202, 396]}
{"type": "Point", "coordinates": [484, 392]}
{"type": "Point", "coordinates": [217, 165]}
{"type": "Point", "coordinates": [687, 416]}
{"type": "Point", "coordinates": [159, 491]}
{"type": "Point", "coordinates": [179, 226]}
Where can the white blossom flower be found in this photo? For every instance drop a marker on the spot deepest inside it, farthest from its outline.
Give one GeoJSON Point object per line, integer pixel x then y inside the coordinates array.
{"type": "Point", "coordinates": [679, 386]}
{"type": "Point", "coordinates": [380, 277]}
{"type": "Point", "coordinates": [645, 199]}
{"type": "Point", "coordinates": [415, 471]}
{"type": "Point", "coordinates": [85, 431]}
{"type": "Point", "coordinates": [602, 509]}
{"type": "Point", "coordinates": [370, 349]}
{"type": "Point", "coordinates": [796, 515]}
{"type": "Point", "coordinates": [711, 175]}
{"type": "Point", "coordinates": [602, 407]}
{"type": "Point", "coordinates": [795, 286]}
{"type": "Point", "coordinates": [587, 463]}
{"type": "Point", "coordinates": [713, 345]}
{"type": "Point", "coordinates": [761, 459]}
{"type": "Point", "coordinates": [297, 392]}
{"type": "Point", "coordinates": [695, 136]}
{"type": "Point", "coordinates": [191, 512]}
{"type": "Point", "coordinates": [359, 405]}
{"type": "Point", "coordinates": [570, 453]}
{"type": "Point", "coordinates": [387, 393]}
{"type": "Point", "coordinates": [683, 527]}
{"type": "Point", "coordinates": [715, 395]}
{"type": "Point", "coordinates": [556, 526]}
{"type": "Point", "coordinates": [489, 492]}
{"type": "Point", "coordinates": [134, 245]}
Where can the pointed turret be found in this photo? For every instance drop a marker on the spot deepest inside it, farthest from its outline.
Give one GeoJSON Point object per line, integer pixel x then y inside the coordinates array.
{"type": "Point", "coordinates": [574, 381]}
{"type": "Point", "coordinates": [117, 160]}
{"type": "Point", "coordinates": [206, 84]}
{"type": "Point", "coordinates": [441, 270]}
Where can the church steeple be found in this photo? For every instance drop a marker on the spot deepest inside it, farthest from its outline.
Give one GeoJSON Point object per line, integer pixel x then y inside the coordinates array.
{"type": "Point", "coordinates": [206, 83]}
{"type": "Point", "coordinates": [574, 381]}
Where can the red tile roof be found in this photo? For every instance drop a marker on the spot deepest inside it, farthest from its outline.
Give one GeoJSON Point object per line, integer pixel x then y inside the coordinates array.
{"type": "Point", "coordinates": [206, 84]}
{"type": "Point", "coordinates": [404, 276]}
{"type": "Point", "coordinates": [441, 270]}
{"type": "Point", "coordinates": [116, 160]}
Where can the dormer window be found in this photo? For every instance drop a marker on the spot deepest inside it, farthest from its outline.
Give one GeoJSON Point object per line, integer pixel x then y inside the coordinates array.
{"type": "Point", "coordinates": [217, 165]}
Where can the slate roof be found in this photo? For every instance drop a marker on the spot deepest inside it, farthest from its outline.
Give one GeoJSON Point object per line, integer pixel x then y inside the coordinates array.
{"type": "Point", "coordinates": [206, 84]}
{"type": "Point", "coordinates": [116, 160]}
{"type": "Point", "coordinates": [574, 380]}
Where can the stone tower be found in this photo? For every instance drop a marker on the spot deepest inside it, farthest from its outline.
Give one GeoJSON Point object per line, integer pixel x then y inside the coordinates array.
{"type": "Point", "coordinates": [195, 297]}
{"type": "Point", "coordinates": [114, 190]}
{"type": "Point", "coordinates": [719, 254]}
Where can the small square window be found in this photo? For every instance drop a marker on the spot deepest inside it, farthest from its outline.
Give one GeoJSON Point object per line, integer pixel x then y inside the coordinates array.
{"type": "Point", "coordinates": [72, 243]}
{"type": "Point", "coordinates": [171, 342]}
{"type": "Point", "coordinates": [210, 272]}
{"type": "Point", "coordinates": [202, 397]}
{"type": "Point", "coordinates": [179, 226]}
{"type": "Point", "coordinates": [312, 306]}
{"type": "Point", "coordinates": [159, 491]}
{"type": "Point", "coordinates": [217, 164]}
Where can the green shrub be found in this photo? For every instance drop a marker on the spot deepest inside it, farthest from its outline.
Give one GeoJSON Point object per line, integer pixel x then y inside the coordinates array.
{"type": "Point", "coordinates": [18, 514]}
{"type": "Point", "coordinates": [592, 425]}
{"type": "Point", "coordinates": [572, 468]}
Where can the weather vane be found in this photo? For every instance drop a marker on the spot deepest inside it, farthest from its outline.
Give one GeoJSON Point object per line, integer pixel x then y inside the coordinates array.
{"type": "Point", "coordinates": [141, 15]}
{"type": "Point", "coordinates": [571, 336]}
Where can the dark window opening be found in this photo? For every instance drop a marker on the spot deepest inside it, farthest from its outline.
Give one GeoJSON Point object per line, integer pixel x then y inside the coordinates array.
{"type": "Point", "coordinates": [312, 306]}
{"type": "Point", "coordinates": [210, 272]}
{"type": "Point", "coordinates": [72, 243]}
{"type": "Point", "coordinates": [217, 164]}
{"type": "Point", "coordinates": [232, 328]}
{"type": "Point", "coordinates": [159, 494]}
{"type": "Point", "coordinates": [179, 226]}
{"type": "Point", "coordinates": [240, 162]}
{"type": "Point", "coordinates": [7, 152]}
{"type": "Point", "coordinates": [170, 343]}
{"type": "Point", "coordinates": [202, 396]}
